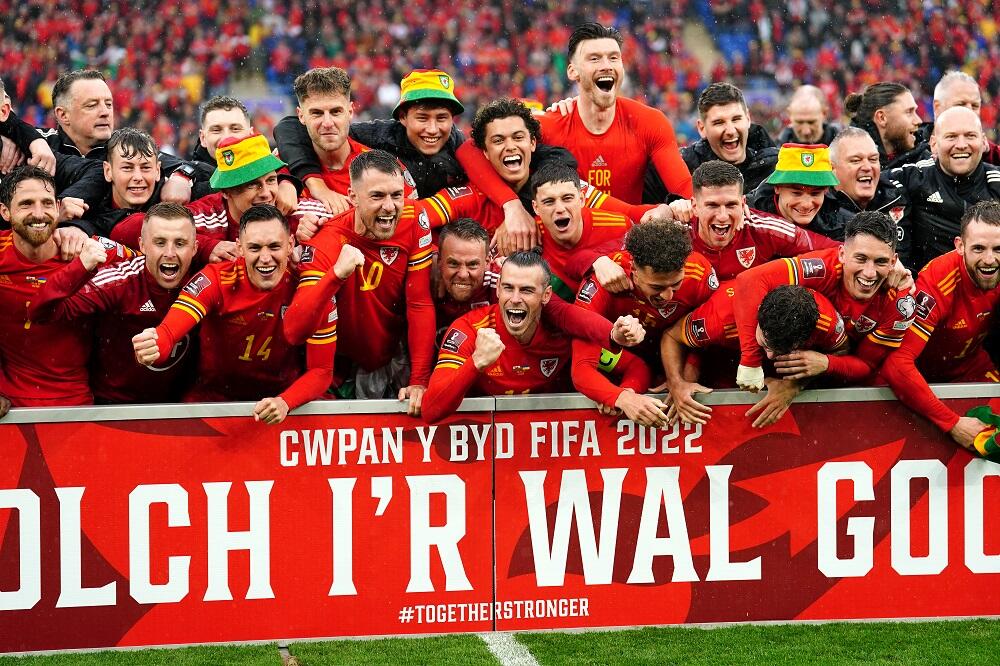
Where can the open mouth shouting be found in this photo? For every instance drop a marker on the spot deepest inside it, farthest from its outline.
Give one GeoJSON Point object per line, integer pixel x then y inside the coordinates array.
{"type": "Point", "coordinates": [515, 316]}
{"type": "Point", "coordinates": [720, 232]}
{"type": "Point", "coordinates": [385, 223]}
{"type": "Point", "coordinates": [730, 145]}
{"type": "Point", "coordinates": [605, 82]}
{"type": "Point", "coordinates": [988, 276]}
{"type": "Point", "coordinates": [562, 223]}
{"type": "Point", "coordinates": [513, 163]}
{"type": "Point", "coordinates": [170, 270]}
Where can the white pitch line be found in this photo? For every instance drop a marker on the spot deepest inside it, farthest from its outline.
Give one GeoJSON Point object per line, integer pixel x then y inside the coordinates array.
{"type": "Point", "coordinates": [507, 649]}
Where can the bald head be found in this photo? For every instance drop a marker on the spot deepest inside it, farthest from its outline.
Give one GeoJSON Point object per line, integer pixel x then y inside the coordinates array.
{"type": "Point", "coordinates": [957, 141]}
{"type": "Point", "coordinates": [807, 113]}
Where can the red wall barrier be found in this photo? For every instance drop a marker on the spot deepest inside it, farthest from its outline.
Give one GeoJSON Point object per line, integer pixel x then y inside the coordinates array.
{"type": "Point", "coordinates": [190, 524]}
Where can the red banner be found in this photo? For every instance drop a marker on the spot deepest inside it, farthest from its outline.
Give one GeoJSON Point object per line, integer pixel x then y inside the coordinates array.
{"type": "Point", "coordinates": [219, 529]}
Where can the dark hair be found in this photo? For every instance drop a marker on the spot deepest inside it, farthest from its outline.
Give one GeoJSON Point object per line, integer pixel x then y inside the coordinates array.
{"type": "Point", "coordinates": [716, 173]}
{"type": "Point", "coordinates": [464, 228]}
{"type": "Point", "coordinates": [3, 91]}
{"type": "Point", "coordinates": [873, 223]}
{"type": "Point", "coordinates": [224, 103]}
{"type": "Point", "coordinates": [132, 142]}
{"type": "Point", "coordinates": [322, 81]}
{"type": "Point", "coordinates": [379, 160]}
{"type": "Point", "coordinates": [168, 210]}
{"type": "Point", "coordinates": [530, 259]}
{"type": "Point", "coordinates": [591, 30]}
{"type": "Point", "coordinates": [505, 107]}
{"type": "Point", "coordinates": [553, 171]}
{"type": "Point", "coordinates": [262, 213]}
{"type": "Point", "coordinates": [787, 316]}
{"type": "Point", "coordinates": [662, 247]}
{"type": "Point", "coordinates": [862, 106]}
{"type": "Point", "coordinates": [719, 94]}
{"type": "Point", "coordinates": [8, 186]}
{"type": "Point", "coordinates": [60, 91]}
{"type": "Point", "coordinates": [987, 212]}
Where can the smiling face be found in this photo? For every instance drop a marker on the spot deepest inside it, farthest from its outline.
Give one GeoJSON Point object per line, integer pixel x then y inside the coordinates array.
{"type": "Point", "coordinates": [898, 124]}
{"type": "Point", "coordinates": [957, 141]}
{"type": "Point", "coordinates": [521, 294]}
{"type": "Point", "coordinates": [867, 261]}
{"type": "Point", "coordinates": [725, 127]}
{"type": "Point", "coordinates": [559, 206]}
{"type": "Point", "coordinates": [241, 198]}
{"type": "Point", "coordinates": [462, 264]}
{"type": "Point", "coordinates": [598, 70]}
{"type": "Point", "coordinates": [327, 119]}
{"type": "Point", "coordinates": [427, 127]}
{"type": "Point", "coordinates": [133, 179]}
{"type": "Point", "coordinates": [169, 246]}
{"type": "Point", "coordinates": [857, 168]}
{"type": "Point", "coordinates": [509, 146]}
{"type": "Point", "coordinates": [266, 246]}
{"type": "Point", "coordinates": [658, 288]}
{"type": "Point", "coordinates": [222, 124]}
{"type": "Point", "coordinates": [799, 203]}
{"type": "Point", "coordinates": [33, 213]}
{"type": "Point", "coordinates": [719, 210]}
{"type": "Point", "coordinates": [378, 202]}
{"type": "Point", "coordinates": [979, 245]}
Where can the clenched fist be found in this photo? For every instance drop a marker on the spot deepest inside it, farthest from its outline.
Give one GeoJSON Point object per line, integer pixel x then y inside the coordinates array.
{"type": "Point", "coordinates": [144, 345]}
{"type": "Point", "coordinates": [93, 254]}
{"type": "Point", "coordinates": [488, 348]}
{"type": "Point", "coordinates": [349, 259]}
{"type": "Point", "coordinates": [627, 331]}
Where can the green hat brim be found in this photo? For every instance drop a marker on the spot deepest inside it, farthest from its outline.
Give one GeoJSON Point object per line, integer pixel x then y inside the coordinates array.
{"type": "Point", "coordinates": [424, 95]}
{"type": "Point", "coordinates": [222, 180]}
{"type": "Point", "coordinates": [812, 178]}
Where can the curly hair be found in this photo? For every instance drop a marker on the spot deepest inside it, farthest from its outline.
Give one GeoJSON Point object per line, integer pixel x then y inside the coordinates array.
{"type": "Point", "coordinates": [660, 246]}
{"type": "Point", "coordinates": [505, 107]}
{"type": "Point", "coordinates": [787, 317]}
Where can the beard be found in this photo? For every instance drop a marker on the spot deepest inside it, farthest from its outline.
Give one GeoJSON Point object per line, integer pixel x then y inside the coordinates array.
{"type": "Point", "coordinates": [34, 237]}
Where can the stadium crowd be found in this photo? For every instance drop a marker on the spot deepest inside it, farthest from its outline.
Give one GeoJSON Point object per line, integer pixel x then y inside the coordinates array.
{"type": "Point", "coordinates": [577, 247]}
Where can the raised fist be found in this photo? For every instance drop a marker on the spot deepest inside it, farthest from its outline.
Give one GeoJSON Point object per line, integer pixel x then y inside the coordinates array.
{"type": "Point", "coordinates": [488, 348]}
{"type": "Point", "coordinates": [93, 254]}
{"type": "Point", "coordinates": [349, 259]}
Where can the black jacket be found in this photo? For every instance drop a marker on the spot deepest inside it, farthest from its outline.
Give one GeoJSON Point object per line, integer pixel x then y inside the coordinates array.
{"type": "Point", "coordinates": [432, 173]}
{"type": "Point", "coordinates": [920, 151]}
{"type": "Point", "coordinates": [887, 200]}
{"type": "Point", "coordinates": [936, 202]}
{"type": "Point", "coordinates": [787, 135]}
{"type": "Point", "coordinates": [60, 142]}
{"type": "Point", "coordinates": [20, 132]}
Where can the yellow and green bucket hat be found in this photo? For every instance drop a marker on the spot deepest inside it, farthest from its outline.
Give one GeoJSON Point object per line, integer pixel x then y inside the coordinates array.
{"type": "Point", "coordinates": [803, 164]}
{"type": "Point", "coordinates": [426, 85]}
{"type": "Point", "coordinates": [240, 161]}
{"type": "Point", "coordinates": [986, 441]}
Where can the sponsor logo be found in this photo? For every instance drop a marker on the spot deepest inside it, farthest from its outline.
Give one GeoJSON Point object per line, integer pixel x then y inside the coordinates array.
{"type": "Point", "coordinates": [935, 198]}
{"type": "Point", "coordinates": [713, 280]}
{"type": "Point", "coordinates": [864, 324]}
{"type": "Point", "coordinates": [813, 268]}
{"type": "Point", "coordinates": [548, 366]}
{"type": "Point", "coordinates": [454, 340]}
{"type": "Point", "coordinates": [906, 306]}
{"type": "Point", "coordinates": [807, 159]}
{"type": "Point", "coordinates": [307, 254]}
{"type": "Point", "coordinates": [199, 284]}
{"type": "Point", "coordinates": [698, 330]}
{"type": "Point", "coordinates": [961, 323]}
{"type": "Point", "coordinates": [925, 304]}
{"type": "Point", "coordinates": [147, 307]}
{"type": "Point", "coordinates": [902, 325]}
{"type": "Point", "coordinates": [587, 292]}
{"type": "Point", "coordinates": [408, 177]}
{"type": "Point", "coordinates": [107, 243]}
{"type": "Point", "coordinates": [746, 256]}
{"type": "Point", "coordinates": [599, 162]}
{"type": "Point", "coordinates": [228, 157]}
{"type": "Point", "coordinates": [424, 241]}
{"type": "Point", "coordinates": [388, 254]}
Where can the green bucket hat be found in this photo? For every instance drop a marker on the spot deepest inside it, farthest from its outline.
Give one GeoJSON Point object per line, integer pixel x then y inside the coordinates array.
{"type": "Point", "coordinates": [241, 161]}
{"type": "Point", "coordinates": [428, 85]}
{"type": "Point", "coordinates": [803, 164]}
{"type": "Point", "coordinates": [986, 441]}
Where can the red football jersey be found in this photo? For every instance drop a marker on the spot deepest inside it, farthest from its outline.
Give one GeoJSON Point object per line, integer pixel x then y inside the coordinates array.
{"type": "Point", "coordinates": [615, 162]}
{"type": "Point", "coordinates": [339, 180]}
{"type": "Point", "coordinates": [764, 237]}
{"type": "Point", "coordinates": [243, 353]}
{"type": "Point", "coordinates": [953, 316]}
{"type": "Point", "coordinates": [126, 300]}
{"type": "Point", "coordinates": [599, 227]}
{"type": "Point", "coordinates": [41, 365]}
{"type": "Point", "coordinates": [380, 301]}
{"type": "Point", "coordinates": [536, 367]}
{"type": "Point", "coordinates": [875, 326]}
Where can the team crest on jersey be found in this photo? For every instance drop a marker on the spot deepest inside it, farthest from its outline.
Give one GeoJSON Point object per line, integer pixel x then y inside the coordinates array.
{"type": "Point", "coordinates": [698, 330]}
{"type": "Point", "coordinates": [454, 340]}
{"type": "Point", "coordinates": [459, 192]}
{"type": "Point", "coordinates": [864, 324]}
{"type": "Point", "coordinates": [228, 157]}
{"type": "Point", "coordinates": [896, 213]}
{"type": "Point", "coordinates": [587, 292]}
{"type": "Point", "coordinates": [388, 254]}
{"type": "Point", "coordinates": [548, 366]}
{"type": "Point", "coordinates": [906, 306]}
{"type": "Point", "coordinates": [667, 309]}
{"type": "Point", "coordinates": [423, 221]}
{"type": "Point", "coordinates": [808, 159]}
{"type": "Point", "coordinates": [199, 284]}
{"type": "Point", "coordinates": [713, 280]}
{"type": "Point", "coordinates": [924, 304]}
{"type": "Point", "coordinates": [813, 268]}
{"type": "Point", "coordinates": [307, 253]}
{"type": "Point", "coordinates": [746, 256]}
